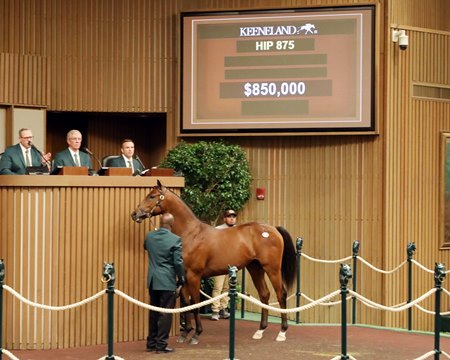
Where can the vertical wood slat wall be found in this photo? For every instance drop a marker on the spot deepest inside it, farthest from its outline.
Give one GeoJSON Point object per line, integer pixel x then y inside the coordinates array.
{"type": "Point", "coordinates": [331, 190]}
{"type": "Point", "coordinates": [413, 160]}
{"type": "Point", "coordinates": [320, 189]}
{"type": "Point", "coordinates": [54, 243]}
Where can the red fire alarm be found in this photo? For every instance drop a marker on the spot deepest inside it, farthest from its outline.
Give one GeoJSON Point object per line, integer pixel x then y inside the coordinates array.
{"type": "Point", "coordinates": [260, 193]}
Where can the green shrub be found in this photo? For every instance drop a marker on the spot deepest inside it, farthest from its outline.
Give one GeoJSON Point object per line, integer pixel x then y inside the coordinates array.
{"type": "Point", "coordinates": [217, 176]}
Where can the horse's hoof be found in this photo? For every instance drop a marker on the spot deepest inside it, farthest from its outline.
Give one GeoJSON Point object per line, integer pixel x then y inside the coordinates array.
{"type": "Point", "coordinates": [193, 341]}
{"type": "Point", "coordinates": [281, 336]}
{"type": "Point", "coordinates": [258, 335]}
{"type": "Point", "coordinates": [181, 339]}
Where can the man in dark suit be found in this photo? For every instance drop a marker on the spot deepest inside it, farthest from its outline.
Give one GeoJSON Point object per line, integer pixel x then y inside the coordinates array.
{"type": "Point", "coordinates": [126, 159]}
{"type": "Point", "coordinates": [17, 158]}
{"type": "Point", "coordinates": [165, 264]}
{"type": "Point", "coordinates": [72, 156]}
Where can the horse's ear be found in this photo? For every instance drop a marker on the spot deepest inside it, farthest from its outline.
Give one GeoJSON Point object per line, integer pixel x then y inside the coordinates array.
{"type": "Point", "coordinates": [159, 183]}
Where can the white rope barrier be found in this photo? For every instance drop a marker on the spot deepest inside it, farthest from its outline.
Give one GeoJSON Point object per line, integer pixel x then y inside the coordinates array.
{"type": "Point", "coordinates": [49, 307]}
{"type": "Point", "coordinates": [387, 308]}
{"type": "Point", "coordinates": [369, 264]}
{"type": "Point", "coordinates": [326, 261]}
{"type": "Point", "coordinates": [172, 311]}
{"type": "Point", "coordinates": [380, 270]}
{"type": "Point", "coordinates": [324, 301]}
{"type": "Point", "coordinates": [426, 356]}
{"type": "Point", "coordinates": [9, 354]}
{"type": "Point", "coordinates": [422, 267]}
{"type": "Point", "coordinates": [323, 304]}
{"type": "Point", "coordinates": [288, 311]}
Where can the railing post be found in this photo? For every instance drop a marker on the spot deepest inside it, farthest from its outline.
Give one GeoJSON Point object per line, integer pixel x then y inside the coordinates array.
{"type": "Point", "coordinates": [2, 282]}
{"type": "Point", "coordinates": [109, 275]}
{"type": "Point", "coordinates": [299, 245]}
{"type": "Point", "coordinates": [410, 252]}
{"type": "Point", "coordinates": [232, 270]}
{"type": "Point", "coordinates": [345, 274]}
{"type": "Point", "coordinates": [355, 258]}
{"type": "Point", "coordinates": [439, 276]}
{"type": "Point", "coordinates": [243, 292]}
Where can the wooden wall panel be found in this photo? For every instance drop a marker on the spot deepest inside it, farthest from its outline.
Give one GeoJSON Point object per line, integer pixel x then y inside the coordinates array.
{"type": "Point", "coordinates": [411, 12]}
{"type": "Point", "coordinates": [24, 79]}
{"type": "Point", "coordinates": [413, 164]}
{"type": "Point", "coordinates": [55, 240]}
{"type": "Point", "coordinates": [320, 189]}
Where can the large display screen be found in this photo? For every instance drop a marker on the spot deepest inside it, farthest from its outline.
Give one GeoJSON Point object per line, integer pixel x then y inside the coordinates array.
{"type": "Point", "coordinates": [299, 70]}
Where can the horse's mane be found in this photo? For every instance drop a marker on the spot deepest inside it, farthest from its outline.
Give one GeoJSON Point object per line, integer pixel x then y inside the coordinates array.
{"type": "Point", "coordinates": [183, 202]}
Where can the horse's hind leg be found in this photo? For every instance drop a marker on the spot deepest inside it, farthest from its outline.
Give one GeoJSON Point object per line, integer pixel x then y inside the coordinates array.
{"type": "Point", "coordinates": [281, 293]}
{"type": "Point", "coordinates": [257, 274]}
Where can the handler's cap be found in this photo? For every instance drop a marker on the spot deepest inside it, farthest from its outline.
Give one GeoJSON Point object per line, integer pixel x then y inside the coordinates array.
{"type": "Point", "coordinates": [230, 212]}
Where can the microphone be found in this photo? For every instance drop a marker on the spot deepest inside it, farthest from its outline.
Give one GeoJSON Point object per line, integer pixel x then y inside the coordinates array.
{"type": "Point", "coordinates": [85, 149]}
{"type": "Point", "coordinates": [40, 153]}
{"type": "Point", "coordinates": [140, 162]}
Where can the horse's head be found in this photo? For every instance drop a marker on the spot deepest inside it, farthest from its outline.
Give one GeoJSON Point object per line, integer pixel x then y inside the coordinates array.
{"type": "Point", "coordinates": [109, 272]}
{"type": "Point", "coordinates": [345, 274]}
{"type": "Point", "coordinates": [151, 205]}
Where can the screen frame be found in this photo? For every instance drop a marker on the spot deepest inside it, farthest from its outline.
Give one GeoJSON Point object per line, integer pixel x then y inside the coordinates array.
{"type": "Point", "coordinates": [368, 129]}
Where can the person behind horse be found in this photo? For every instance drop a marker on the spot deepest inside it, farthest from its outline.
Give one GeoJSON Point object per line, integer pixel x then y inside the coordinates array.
{"type": "Point", "coordinates": [219, 307]}
{"type": "Point", "coordinates": [72, 156]}
{"type": "Point", "coordinates": [17, 158]}
{"type": "Point", "coordinates": [127, 158]}
{"type": "Point", "coordinates": [165, 264]}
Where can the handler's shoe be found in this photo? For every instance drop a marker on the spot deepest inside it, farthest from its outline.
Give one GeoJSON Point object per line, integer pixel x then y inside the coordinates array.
{"type": "Point", "coordinates": [215, 316]}
{"type": "Point", "coordinates": [224, 314]}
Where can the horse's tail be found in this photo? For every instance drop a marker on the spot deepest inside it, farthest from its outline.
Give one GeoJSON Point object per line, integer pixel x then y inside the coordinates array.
{"type": "Point", "coordinates": [289, 261]}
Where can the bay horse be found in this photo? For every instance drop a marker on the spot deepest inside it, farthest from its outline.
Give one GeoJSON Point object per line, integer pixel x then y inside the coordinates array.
{"type": "Point", "coordinates": [207, 251]}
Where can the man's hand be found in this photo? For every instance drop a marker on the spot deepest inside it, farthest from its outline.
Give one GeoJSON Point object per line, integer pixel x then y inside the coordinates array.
{"type": "Point", "coordinates": [181, 281]}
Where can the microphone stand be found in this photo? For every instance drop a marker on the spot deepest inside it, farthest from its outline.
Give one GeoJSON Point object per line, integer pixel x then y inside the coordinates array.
{"type": "Point", "coordinates": [85, 149]}
{"type": "Point", "coordinates": [49, 165]}
{"type": "Point", "coordinates": [143, 167]}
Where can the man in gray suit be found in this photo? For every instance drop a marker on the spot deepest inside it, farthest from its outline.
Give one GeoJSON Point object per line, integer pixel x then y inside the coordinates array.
{"type": "Point", "coordinates": [17, 158]}
{"type": "Point", "coordinates": [126, 159]}
{"type": "Point", "coordinates": [72, 156]}
{"type": "Point", "coordinates": [165, 264]}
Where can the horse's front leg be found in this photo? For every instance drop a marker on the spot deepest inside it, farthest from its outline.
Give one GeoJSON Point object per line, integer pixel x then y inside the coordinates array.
{"type": "Point", "coordinates": [195, 299]}
{"type": "Point", "coordinates": [198, 327]}
{"type": "Point", "coordinates": [185, 319]}
{"type": "Point", "coordinates": [194, 290]}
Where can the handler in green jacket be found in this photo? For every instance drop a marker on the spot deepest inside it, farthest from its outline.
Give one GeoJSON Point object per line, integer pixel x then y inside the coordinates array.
{"type": "Point", "coordinates": [165, 265]}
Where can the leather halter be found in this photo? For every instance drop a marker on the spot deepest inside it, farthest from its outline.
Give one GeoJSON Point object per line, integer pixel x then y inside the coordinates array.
{"type": "Point", "coordinates": [158, 203]}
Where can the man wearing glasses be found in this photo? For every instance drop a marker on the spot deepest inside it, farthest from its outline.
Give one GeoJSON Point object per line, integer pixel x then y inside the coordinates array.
{"type": "Point", "coordinates": [17, 158]}
{"type": "Point", "coordinates": [72, 156]}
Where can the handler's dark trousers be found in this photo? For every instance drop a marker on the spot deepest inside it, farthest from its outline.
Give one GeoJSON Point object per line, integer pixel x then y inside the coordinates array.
{"type": "Point", "coordinates": [159, 324]}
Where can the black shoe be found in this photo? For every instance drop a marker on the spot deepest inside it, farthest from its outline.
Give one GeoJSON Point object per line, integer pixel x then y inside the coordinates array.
{"type": "Point", "coordinates": [165, 350]}
{"type": "Point", "coordinates": [150, 349]}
